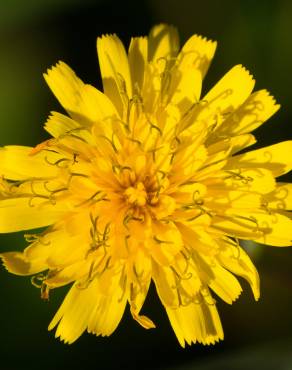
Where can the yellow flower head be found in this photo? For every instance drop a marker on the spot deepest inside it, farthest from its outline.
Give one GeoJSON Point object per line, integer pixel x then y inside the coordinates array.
{"type": "Point", "coordinates": [141, 183]}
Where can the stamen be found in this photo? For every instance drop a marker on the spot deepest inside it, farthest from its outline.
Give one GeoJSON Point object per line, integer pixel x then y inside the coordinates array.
{"type": "Point", "coordinates": [123, 88]}
{"type": "Point", "coordinates": [179, 289]}
{"type": "Point", "coordinates": [165, 76]}
{"type": "Point", "coordinates": [75, 174]}
{"type": "Point", "coordinates": [237, 245]}
{"type": "Point", "coordinates": [153, 127]}
{"type": "Point", "coordinates": [92, 198]}
{"type": "Point", "coordinates": [251, 219]}
{"type": "Point", "coordinates": [69, 132]}
{"type": "Point", "coordinates": [85, 284]}
{"type": "Point", "coordinates": [98, 239]}
{"type": "Point", "coordinates": [91, 276]}
{"type": "Point", "coordinates": [37, 280]}
{"type": "Point", "coordinates": [127, 237]}
{"type": "Point", "coordinates": [191, 108]}
{"type": "Point", "coordinates": [77, 137]}
{"type": "Point", "coordinates": [36, 238]}
{"type": "Point", "coordinates": [136, 100]}
{"type": "Point", "coordinates": [45, 290]}
{"type": "Point", "coordinates": [36, 196]}
{"type": "Point", "coordinates": [124, 124]}
{"type": "Point", "coordinates": [136, 141]}
{"type": "Point", "coordinates": [265, 206]}
{"type": "Point", "coordinates": [53, 192]}
{"type": "Point", "coordinates": [187, 261]}
{"type": "Point", "coordinates": [153, 151]}
{"type": "Point", "coordinates": [234, 243]}
{"type": "Point", "coordinates": [111, 141]}
{"type": "Point", "coordinates": [58, 162]}
{"type": "Point", "coordinates": [160, 241]}
{"type": "Point", "coordinates": [186, 276]}
{"type": "Point", "coordinates": [126, 220]}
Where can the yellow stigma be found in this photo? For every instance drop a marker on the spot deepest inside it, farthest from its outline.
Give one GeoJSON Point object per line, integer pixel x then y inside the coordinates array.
{"type": "Point", "coordinates": [136, 195]}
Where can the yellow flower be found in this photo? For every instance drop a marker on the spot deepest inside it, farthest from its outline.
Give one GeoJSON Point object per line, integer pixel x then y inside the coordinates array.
{"type": "Point", "coordinates": [143, 183]}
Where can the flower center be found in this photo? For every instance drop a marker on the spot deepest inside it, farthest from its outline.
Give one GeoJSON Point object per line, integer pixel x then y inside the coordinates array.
{"type": "Point", "coordinates": [137, 194]}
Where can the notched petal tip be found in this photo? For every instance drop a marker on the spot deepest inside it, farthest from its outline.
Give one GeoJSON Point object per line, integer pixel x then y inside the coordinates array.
{"type": "Point", "coordinates": [206, 39]}
{"type": "Point", "coordinates": [54, 67]}
{"type": "Point", "coordinates": [271, 101]}
{"type": "Point", "coordinates": [100, 40]}
{"type": "Point", "coordinates": [242, 68]}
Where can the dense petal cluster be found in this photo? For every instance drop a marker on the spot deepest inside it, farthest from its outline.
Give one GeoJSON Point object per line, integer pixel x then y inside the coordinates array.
{"type": "Point", "coordinates": [141, 183]}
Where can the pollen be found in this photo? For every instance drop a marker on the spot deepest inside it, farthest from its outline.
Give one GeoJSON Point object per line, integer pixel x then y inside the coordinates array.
{"type": "Point", "coordinates": [137, 194]}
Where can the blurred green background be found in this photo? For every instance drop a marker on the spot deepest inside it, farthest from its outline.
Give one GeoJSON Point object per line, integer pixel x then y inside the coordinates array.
{"type": "Point", "coordinates": [36, 34]}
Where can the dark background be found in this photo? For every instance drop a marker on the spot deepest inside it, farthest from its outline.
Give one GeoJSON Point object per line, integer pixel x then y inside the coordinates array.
{"type": "Point", "coordinates": [36, 34]}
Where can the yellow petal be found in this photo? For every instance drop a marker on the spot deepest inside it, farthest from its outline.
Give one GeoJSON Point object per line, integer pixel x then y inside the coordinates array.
{"type": "Point", "coordinates": [109, 308]}
{"type": "Point", "coordinates": [223, 198]}
{"type": "Point", "coordinates": [264, 227]}
{"type": "Point", "coordinates": [280, 199]}
{"type": "Point", "coordinates": [71, 134]}
{"type": "Point", "coordinates": [163, 42]}
{"type": "Point", "coordinates": [17, 214]}
{"type": "Point", "coordinates": [255, 179]}
{"type": "Point", "coordinates": [138, 56]}
{"type": "Point", "coordinates": [197, 53]}
{"type": "Point", "coordinates": [275, 158]}
{"type": "Point", "coordinates": [85, 308]}
{"type": "Point", "coordinates": [83, 102]}
{"type": "Point", "coordinates": [74, 313]}
{"type": "Point", "coordinates": [236, 143]}
{"type": "Point", "coordinates": [278, 229]}
{"type": "Point", "coordinates": [69, 274]}
{"type": "Point", "coordinates": [232, 90]}
{"type": "Point", "coordinates": [5, 188]}
{"type": "Point", "coordinates": [59, 124]}
{"type": "Point", "coordinates": [222, 282]}
{"type": "Point", "coordinates": [164, 280]}
{"type": "Point", "coordinates": [167, 242]}
{"type": "Point", "coordinates": [139, 277]}
{"type": "Point", "coordinates": [66, 86]}
{"type": "Point", "coordinates": [178, 284]}
{"type": "Point", "coordinates": [97, 107]}
{"type": "Point", "coordinates": [17, 163]}
{"type": "Point", "coordinates": [55, 246]}
{"type": "Point", "coordinates": [238, 224]}
{"type": "Point", "coordinates": [258, 108]}
{"type": "Point", "coordinates": [18, 264]}
{"type": "Point", "coordinates": [115, 71]}
{"type": "Point", "coordinates": [188, 73]}
{"type": "Point", "coordinates": [196, 322]}
{"type": "Point", "coordinates": [197, 238]}
{"type": "Point", "coordinates": [224, 98]}
{"type": "Point", "coordinates": [187, 91]}
{"type": "Point", "coordinates": [187, 162]}
{"type": "Point", "coordinates": [236, 260]}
